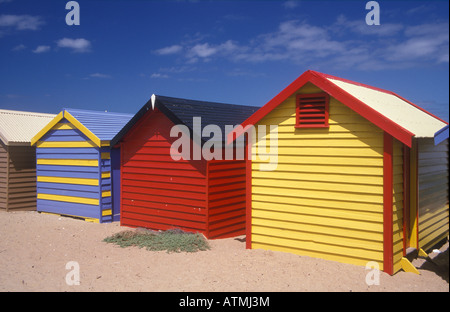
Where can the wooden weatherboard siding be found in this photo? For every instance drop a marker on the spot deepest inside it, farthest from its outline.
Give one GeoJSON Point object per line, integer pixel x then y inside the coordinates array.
{"type": "Point", "coordinates": [17, 177]}
{"type": "Point", "coordinates": [433, 192]}
{"type": "Point", "coordinates": [226, 198]}
{"type": "Point", "coordinates": [73, 175]}
{"type": "Point", "coordinates": [161, 193]}
{"type": "Point", "coordinates": [325, 198]}
{"type": "Point", "coordinates": [156, 191]}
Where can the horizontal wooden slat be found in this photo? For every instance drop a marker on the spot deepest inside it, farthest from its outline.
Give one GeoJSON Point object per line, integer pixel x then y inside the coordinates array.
{"type": "Point", "coordinates": [153, 169]}
{"type": "Point", "coordinates": [41, 144]}
{"type": "Point", "coordinates": [330, 151]}
{"type": "Point", "coordinates": [145, 204]}
{"type": "Point", "coordinates": [81, 181]}
{"type": "Point", "coordinates": [357, 171]}
{"type": "Point", "coordinates": [304, 193]}
{"type": "Point", "coordinates": [70, 199]}
{"type": "Point", "coordinates": [184, 214]}
{"type": "Point", "coordinates": [326, 212]}
{"type": "Point", "coordinates": [313, 185]}
{"type": "Point", "coordinates": [319, 247]}
{"type": "Point", "coordinates": [178, 193]}
{"type": "Point", "coordinates": [180, 185]}
{"type": "Point", "coordinates": [69, 162]}
{"type": "Point", "coordinates": [323, 221]}
{"type": "Point", "coordinates": [164, 223]}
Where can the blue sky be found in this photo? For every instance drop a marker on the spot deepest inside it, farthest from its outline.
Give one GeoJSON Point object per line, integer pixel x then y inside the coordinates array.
{"type": "Point", "coordinates": [239, 52]}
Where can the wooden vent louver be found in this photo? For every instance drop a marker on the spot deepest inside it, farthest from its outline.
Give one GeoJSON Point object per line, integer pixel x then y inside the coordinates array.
{"type": "Point", "coordinates": [312, 110]}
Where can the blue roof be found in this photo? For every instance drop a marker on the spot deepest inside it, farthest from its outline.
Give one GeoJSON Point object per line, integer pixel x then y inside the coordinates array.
{"type": "Point", "coordinates": [105, 125]}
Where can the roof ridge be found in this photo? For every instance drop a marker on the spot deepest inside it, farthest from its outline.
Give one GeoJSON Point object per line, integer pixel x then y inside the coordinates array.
{"type": "Point", "coordinates": [95, 111]}
{"type": "Point", "coordinates": [373, 111]}
{"type": "Point", "coordinates": [201, 101]}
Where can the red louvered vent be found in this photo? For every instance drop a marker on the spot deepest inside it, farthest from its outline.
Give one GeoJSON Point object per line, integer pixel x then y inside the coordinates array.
{"type": "Point", "coordinates": [312, 110]}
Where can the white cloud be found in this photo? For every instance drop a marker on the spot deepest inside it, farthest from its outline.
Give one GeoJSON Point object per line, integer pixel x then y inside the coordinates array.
{"type": "Point", "coordinates": [341, 44]}
{"type": "Point", "coordinates": [99, 75]}
{"type": "Point", "coordinates": [158, 75]}
{"type": "Point", "coordinates": [206, 50]}
{"type": "Point", "coordinates": [21, 22]}
{"type": "Point", "coordinates": [423, 42]}
{"type": "Point", "coordinates": [428, 30]}
{"type": "Point", "coordinates": [19, 47]}
{"type": "Point", "coordinates": [80, 45]}
{"type": "Point", "coordinates": [202, 50]}
{"type": "Point", "coordinates": [170, 50]}
{"type": "Point", "coordinates": [295, 41]}
{"type": "Point", "coordinates": [42, 49]}
{"type": "Point", "coordinates": [344, 26]}
{"type": "Point", "coordinates": [291, 4]}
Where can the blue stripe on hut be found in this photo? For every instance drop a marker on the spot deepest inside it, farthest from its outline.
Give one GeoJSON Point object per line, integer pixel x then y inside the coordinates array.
{"type": "Point", "coordinates": [73, 160]}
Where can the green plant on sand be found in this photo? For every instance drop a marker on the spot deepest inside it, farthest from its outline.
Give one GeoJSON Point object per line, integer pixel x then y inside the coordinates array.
{"type": "Point", "coordinates": [171, 240]}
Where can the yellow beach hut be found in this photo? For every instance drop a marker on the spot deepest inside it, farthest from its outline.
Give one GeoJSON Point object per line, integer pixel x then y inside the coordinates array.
{"type": "Point", "coordinates": [358, 177]}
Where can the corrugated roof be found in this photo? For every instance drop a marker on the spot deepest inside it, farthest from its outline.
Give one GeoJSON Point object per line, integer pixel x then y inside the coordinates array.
{"type": "Point", "coordinates": [182, 111]}
{"type": "Point", "coordinates": [18, 127]}
{"type": "Point", "coordinates": [408, 116]}
{"type": "Point", "coordinates": [105, 125]}
{"type": "Point", "coordinates": [212, 113]}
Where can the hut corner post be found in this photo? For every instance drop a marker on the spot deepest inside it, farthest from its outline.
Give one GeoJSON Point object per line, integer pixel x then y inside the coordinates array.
{"type": "Point", "coordinates": [406, 196]}
{"type": "Point", "coordinates": [406, 265]}
{"type": "Point", "coordinates": [121, 165]}
{"type": "Point", "coordinates": [207, 199]}
{"type": "Point", "coordinates": [414, 196]}
{"type": "Point", "coordinates": [388, 181]}
{"type": "Point", "coordinates": [248, 208]}
{"type": "Point", "coordinates": [388, 188]}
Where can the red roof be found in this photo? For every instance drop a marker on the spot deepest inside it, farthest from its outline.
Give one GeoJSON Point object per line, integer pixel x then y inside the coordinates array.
{"type": "Point", "coordinates": [323, 81]}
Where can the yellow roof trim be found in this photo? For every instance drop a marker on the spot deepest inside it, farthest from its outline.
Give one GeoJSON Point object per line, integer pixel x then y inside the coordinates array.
{"type": "Point", "coordinates": [47, 128]}
{"type": "Point", "coordinates": [82, 128]}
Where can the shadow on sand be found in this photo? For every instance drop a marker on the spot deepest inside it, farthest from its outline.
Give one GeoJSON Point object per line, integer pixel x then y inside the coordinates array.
{"type": "Point", "coordinates": [438, 262]}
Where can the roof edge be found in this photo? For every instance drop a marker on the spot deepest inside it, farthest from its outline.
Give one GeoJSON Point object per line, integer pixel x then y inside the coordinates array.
{"type": "Point", "coordinates": [380, 90]}
{"type": "Point", "coordinates": [65, 114]}
{"type": "Point", "coordinates": [82, 128]}
{"type": "Point", "coordinates": [441, 135]}
{"type": "Point", "coordinates": [151, 105]}
{"type": "Point", "coordinates": [320, 80]}
{"type": "Point", "coordinates": [130, 124]}
{"type": "Point", "coordinates": [34, 114]}
{"type": "Point", "coordinates": [47, 128]}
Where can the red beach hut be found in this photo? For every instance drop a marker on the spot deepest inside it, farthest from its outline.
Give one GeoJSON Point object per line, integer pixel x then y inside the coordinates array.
{"type": "Point", "coordinates": [197, 194]}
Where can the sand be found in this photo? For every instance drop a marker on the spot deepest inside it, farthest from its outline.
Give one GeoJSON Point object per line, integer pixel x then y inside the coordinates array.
{"type": "Point", "coordinates": [35, 249]}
